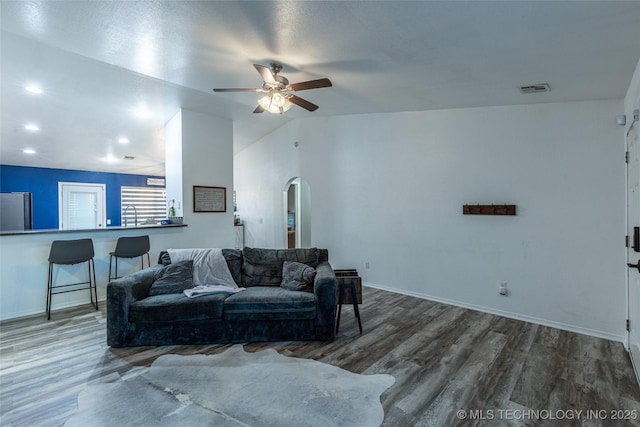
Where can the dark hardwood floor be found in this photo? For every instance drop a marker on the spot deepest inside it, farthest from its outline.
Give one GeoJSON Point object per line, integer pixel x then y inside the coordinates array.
{"type": "Point", "coordinates": [445, 359]}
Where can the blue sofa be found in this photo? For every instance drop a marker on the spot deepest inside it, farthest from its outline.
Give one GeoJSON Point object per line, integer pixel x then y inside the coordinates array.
{"type": "Point", "coordinates": [264, 311]}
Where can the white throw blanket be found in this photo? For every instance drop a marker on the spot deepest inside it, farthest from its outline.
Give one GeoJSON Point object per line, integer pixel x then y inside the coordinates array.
{"type": "Point", "coordinates": [202, 290]}
{"type": "Point", "coordinates": [210, 271]}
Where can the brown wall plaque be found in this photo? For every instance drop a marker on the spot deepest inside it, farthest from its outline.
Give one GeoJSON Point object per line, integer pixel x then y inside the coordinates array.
{"type": "Point", "coordinates": [489, 209]}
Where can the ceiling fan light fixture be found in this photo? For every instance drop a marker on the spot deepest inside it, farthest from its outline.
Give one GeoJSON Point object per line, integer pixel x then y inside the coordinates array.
{"type": "Point", "coordinates": [279, 97]}
{"type": "Point", "coordinates": [275, 103]}
{"type": "Point", "coordinates": [278, 100]}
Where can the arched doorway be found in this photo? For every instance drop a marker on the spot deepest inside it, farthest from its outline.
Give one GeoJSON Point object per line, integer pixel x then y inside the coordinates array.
{"type": "Point", "coordinates": [297, 213]}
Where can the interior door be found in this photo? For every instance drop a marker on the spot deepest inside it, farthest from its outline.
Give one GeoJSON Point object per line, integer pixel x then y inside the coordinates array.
{"type": "Point", "coordinates": [633, 251]}
{"type": "Point", "coordinates": [81, 206]}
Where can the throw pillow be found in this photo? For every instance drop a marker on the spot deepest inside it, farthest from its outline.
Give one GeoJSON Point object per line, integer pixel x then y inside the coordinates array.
{"type": "Point", "coordinates": [297, 276]}
{"type": "Point", "coordinates": [173, 279]}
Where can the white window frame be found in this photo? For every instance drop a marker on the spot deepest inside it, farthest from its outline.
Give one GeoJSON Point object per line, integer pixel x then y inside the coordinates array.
{"type": "Point", "coordinates": [63, 199]}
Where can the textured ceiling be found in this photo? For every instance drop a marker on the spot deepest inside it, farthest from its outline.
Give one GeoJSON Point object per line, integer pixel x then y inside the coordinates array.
{"type": "Point", "coordinates": [98, 60]}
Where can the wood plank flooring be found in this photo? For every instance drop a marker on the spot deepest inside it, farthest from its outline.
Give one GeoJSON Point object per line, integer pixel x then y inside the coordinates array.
{"type": "Point", "coordinates": [445, 359]}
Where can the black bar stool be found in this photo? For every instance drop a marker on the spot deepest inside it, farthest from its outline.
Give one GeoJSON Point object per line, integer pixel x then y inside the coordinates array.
{"type": "Point", "coordinates": [70, 252]}
{"type": "Point", "coordinates": [130, 247]}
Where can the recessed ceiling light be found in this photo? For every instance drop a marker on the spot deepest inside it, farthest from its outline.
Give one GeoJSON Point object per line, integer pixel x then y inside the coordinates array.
{"type": "Point", "coordinates": [31, 127]}
{"type": "Point", "coordinates": [29, 151]}
{"type": "Point", "coordinates": [33, 89]}
{"type": "Point", "coordinates": [142, 111]}
{"type": "Point", "coordinates": [123, 140]}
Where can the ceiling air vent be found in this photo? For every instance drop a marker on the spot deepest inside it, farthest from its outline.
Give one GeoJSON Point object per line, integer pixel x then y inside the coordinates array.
{"type": "Point", "coordinates": [539, 88]}
{"type": "Point", "coordinates": [128, 158]}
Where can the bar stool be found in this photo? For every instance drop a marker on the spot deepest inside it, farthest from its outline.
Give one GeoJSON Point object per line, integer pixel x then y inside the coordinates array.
{"type": "Point", "coordinates": [130, 247]}
{"type": "Point", "coordinates": [70, 252]}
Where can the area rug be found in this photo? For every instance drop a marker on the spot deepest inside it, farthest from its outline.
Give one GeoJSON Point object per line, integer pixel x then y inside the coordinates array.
{"type": "Point", "coordinates": [235, 388]}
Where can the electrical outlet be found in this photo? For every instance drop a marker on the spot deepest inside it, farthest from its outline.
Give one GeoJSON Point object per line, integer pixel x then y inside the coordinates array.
{"type": "Point", "coordinates": [366, 265]}
{"type": "Point", "coordinates": [502, 289]}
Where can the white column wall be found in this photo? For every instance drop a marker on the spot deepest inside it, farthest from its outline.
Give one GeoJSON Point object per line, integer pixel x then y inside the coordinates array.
{"type": "Point", "coordinates": [207, 160]}
{"type": "Point", "coordinates": [388, 190]}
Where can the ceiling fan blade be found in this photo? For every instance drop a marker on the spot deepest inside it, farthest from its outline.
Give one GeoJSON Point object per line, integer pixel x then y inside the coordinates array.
{"type": "Point", "coordinates": [266, 73]}
{"type": "Point", "coordinates": [303, 103]}
{"type": "Point", "coordinates": [259, 109]}
{"type": "Point", "coordinates": [238, 89]}
{"type": "Point", "coordinates": [311, 84]}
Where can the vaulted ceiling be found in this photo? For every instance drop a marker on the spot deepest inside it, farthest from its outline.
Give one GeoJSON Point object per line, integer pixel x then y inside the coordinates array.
{"type": "Point", "coordinates": [112, 69]}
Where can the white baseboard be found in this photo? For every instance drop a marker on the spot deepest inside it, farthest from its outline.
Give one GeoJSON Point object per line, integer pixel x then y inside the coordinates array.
{"type": "Point", "coordinates": [35, 312]}
{"type": "Point", "coordinates": [510, 315]}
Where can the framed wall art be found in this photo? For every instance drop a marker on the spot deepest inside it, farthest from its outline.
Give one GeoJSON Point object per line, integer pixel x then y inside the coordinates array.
{"type": "Point", "coordinates": [209, 199]}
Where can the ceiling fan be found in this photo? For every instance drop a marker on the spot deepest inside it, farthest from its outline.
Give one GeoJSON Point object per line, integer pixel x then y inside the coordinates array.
{"type": "Point", "coordinates": [279, 98]}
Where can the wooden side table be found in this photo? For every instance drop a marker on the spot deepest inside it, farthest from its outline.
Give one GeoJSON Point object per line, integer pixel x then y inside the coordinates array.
{"type": "Point", "coordinates": [348, 284]}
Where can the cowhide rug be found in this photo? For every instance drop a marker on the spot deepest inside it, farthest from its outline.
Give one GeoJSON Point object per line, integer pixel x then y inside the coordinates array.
{"type": "Point", "coordinates": [235, 388]}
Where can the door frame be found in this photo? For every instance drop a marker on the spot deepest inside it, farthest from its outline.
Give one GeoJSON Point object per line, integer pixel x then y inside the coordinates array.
{"type": "Point", "coordinates": [302, 213]}
{"type": "Point", "coordinates": [633, 290]}
{"type": "Point", "coordinates": [99, 189]}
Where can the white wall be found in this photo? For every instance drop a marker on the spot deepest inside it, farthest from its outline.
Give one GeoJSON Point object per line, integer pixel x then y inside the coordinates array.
{"type": "Point", "coordinates": [303, 232]}
{"type": "Point", "coordinates": [207, 159]}
{"type": "Point", "coordinates": [632, 99]}
{"type": "Point", "coordinates": [388, 190]}
{"type": "Point", "coordinates": [173, 163]}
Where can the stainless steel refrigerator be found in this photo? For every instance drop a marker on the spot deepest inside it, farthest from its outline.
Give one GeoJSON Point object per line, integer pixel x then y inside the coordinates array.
{"type": "Point", "coordinates": [15, 211]}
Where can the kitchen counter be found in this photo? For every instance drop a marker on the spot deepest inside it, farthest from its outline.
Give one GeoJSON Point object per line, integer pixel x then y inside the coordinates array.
{"type": "Point", "coordinates": [115, 228]}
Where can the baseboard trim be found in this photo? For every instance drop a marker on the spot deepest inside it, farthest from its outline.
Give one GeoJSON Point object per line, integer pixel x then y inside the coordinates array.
{"type": "Point", "coordinates": [510, 315]}
{"type": "Point", "coordinates": [39, 312]}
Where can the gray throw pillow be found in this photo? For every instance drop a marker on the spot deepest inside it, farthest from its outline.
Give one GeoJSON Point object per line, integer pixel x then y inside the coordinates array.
{"type": "Point", "coordinates": [297, 276]}
{"type": "Point", "coordinates": [173, 279]}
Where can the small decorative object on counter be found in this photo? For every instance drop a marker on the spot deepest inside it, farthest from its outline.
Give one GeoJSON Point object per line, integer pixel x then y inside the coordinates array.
{"type": "Point", "coordinates": [175, 220]}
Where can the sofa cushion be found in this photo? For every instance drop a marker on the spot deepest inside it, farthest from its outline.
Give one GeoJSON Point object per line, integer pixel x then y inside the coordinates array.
{"type": "Point", "coordinates": [173, 279]}
{"type": "Point", "coordinates": [234, 262]}
{"type": "Point", "coordinates": [309, 256]}
{"type": "Point", "coordinates": [232, 256]}
{"type": "Point", "coordinates": [269, 303]}
{"type": "Point", "coordinates": [176, 307]}
{"type": "Point", "coordinates": [297, 276]}
{"type": "Point", "coordinates": [263, 267]}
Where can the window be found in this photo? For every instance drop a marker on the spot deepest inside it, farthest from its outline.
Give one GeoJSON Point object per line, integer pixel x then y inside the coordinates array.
{"type": "Point", "coordinates": [148, 204]}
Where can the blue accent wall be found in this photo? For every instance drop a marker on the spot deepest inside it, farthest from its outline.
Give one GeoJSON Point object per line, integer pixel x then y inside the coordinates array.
{"type": "Point", "coordinates": [43, 184]}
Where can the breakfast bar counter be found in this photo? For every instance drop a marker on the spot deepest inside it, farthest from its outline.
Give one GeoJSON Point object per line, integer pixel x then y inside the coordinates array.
{"type": "Point", "coordinates": [24, 264]}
